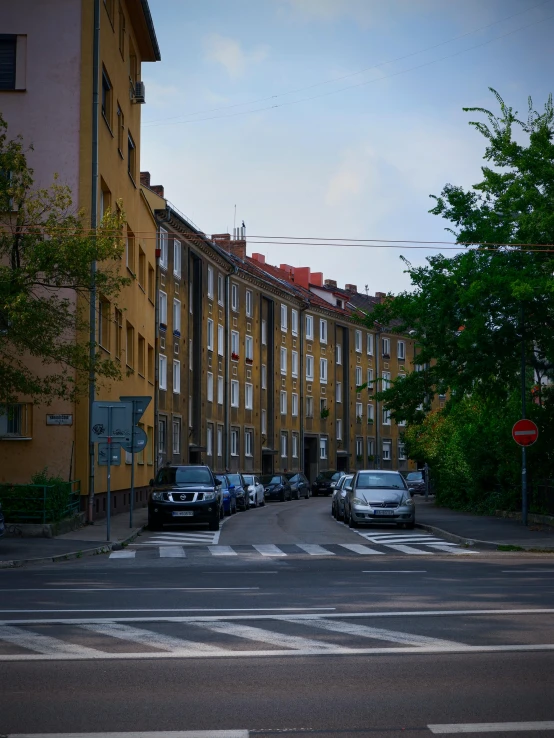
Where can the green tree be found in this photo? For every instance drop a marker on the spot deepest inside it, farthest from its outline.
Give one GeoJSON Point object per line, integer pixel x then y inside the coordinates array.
{"type": "Point", "coordinates": [46, 252]}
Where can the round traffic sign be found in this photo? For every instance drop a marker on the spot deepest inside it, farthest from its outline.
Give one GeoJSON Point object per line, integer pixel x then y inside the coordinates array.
{"type": "Point", "coordinates": [525, 432]}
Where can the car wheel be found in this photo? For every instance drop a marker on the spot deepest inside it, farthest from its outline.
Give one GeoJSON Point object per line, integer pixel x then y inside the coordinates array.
{"type": "Point", "coordinates": [351, 522]}
{"type": "Point", "coordinates": [214, 524]}
{"type": "Point", "coordinates": [262, 503]}
{"type": "Point", "coordinates": [333, 512]}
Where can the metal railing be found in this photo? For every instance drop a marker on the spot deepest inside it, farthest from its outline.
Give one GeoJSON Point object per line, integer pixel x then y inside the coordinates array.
{"type": "Point", "coordinates": [40, 503]}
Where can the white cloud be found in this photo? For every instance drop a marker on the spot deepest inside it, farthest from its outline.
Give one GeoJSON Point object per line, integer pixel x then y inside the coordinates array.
{"type": "Point", "coordinates": [230, 54]}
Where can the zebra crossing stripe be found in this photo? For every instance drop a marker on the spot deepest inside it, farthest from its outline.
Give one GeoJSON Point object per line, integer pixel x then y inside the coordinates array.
{"type": "Point", "coordinates": [400, 538]}
{"type": "Point", "coordinates": [268, 549]}
{"type": "Point", "coordinates": [172, 552]}
{"type": "Point", "coordinates": [149, 638]}
{"type": "Point", "coordinates": [314, 550]}
{"type": "Point", "coordinates": [222, 551]}
{"type": "Point", "coordinates": [359, 548]}
{"type": "Point", "coordinates": [448, 547]}
{"type": "Point", "coordinates": [128, 554]}
{"type": "Point", "coordinates": [408, 549]}
{"type": "Point", "coordinates": [43, 644]}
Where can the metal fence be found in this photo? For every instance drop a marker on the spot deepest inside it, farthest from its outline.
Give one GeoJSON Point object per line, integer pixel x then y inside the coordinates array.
{"type": "Point", "coordinates": [40, 503]}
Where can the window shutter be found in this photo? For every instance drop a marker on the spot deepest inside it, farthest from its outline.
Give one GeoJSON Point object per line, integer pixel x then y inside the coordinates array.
{"type": "Point", "coordinates": [7, 61]}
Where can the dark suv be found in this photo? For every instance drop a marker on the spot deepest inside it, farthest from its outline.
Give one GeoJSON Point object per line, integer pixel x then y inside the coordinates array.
{"type": "Point", "coordinates": [416, 482]}
{"type": "Point", "coordinates": [326, 481]}
{"type": "Point", "coordinates": [185, 494]}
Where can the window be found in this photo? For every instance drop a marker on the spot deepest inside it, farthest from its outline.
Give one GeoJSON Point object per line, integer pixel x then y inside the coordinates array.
{"type": "Point", "coordinates": [323, 370]}
{"type": "Point", "coordinates": [264, 333]}
{"type": "Point", "coordinates": [338, 392]}
{"type": "Point", "coordinates": [151, 283]}
{"type": "Point", "coordinates": [386, 416]}
{"type": "Point", "coordinates": [358, 377]}
{"type": "Point", "coordinates": [370, 380]}
{"type": "Point", "coordinates": [338, 430]}
{"type": "Point", "coordinates": [120, 129]}
{"type": "Point", "coordinates": [370, 449]}
{"type": "Point", "coordinates": [284, 318]}
{"type": "Point", "coordinates": [177, 258]}
{"type": "Point", "coordinates": [220, 390]}
{"type": "Point", "coordinates": [210, 283]}
{"type": "Point", "coordinates": [176, 436]}
{"type": "Point", "coordinates": [190, 411]}
{"type": "Point", "coordinates": [370, 413]}
{"type": "Point", "coordinates": [386, 348]}
{"type": "Point", "coordinates": [401, 423]}
{"type": "Point", "coordinates": [401, 350]}
{"type": "Point", "coordinates": [294, 408]}
{"type": "Point", "coordinates": [162, 431]}
{"type": "Point", "coordinates": [283, 403]}
{"type": "Point", "coordinates": [141, 356]}
{"type": "Point", "coordinates": [130, 346]}
{"type": "Point", "coordinates": [234, 345]}
{"type": "Point", "coordinates": [163, 248]}
{"type": "Point", "coordinates": [219, 440]}
{"type": "Point", "coordinates": [133, 64]}
{"type": "Point", "coordinates": [338, 353]}
{"type": "Point", "coordinates": [358, 341]}
{"type": "Point", "coordinates": [151, 355]}
{"type": "Point", "coordinates": [142, 269]}
{"type": "Point", "coordinates": [15, 420]}
{"type": "Point", "coordinates": [294, 322]}
{"type": "Point", "coordinates": [109, 5]}
{"type": "Point", "coordinates": [401, 451]}
{"type": "Point", "coordinates": [386, 381]}
{"type": "Point", "coordinates": [234, 297]}
{"type": "Point", "coordinates": [309, 407]}
{"type": "Point", "coordinates": [359, 411]}
{"type": "Point", "coordinates": [248, 442]}
{"type": "Point", "coordinates": [323, 331]}
{"type": "Point", "coordinates": [104, 324]}
{"type": "Point", "coordinates": [107, 98]}
{"type": "Point", "coordinates": [8, 58]}
{"type": "Point", "coordinates": [118, 333]}
{"type": "Point", "coordinates": [387, 450]}
{"type": "Point", "coordinates": [220, 341]}
{"type": "Point", "coordinates": [131, 157]}
{"type": "Point", "coordinates": [323, 445]}
{"type": "Point", "coordinates": [248, 396]}
{"type": "Point", "coordinates": [234, 393]}
{"type": "Point", "coordinates": [370, 344]}
{"type": "Point", "coordinates": [263, 421]}
{"type": "Point", "coordinates": [264, 376]}
{"type": "Point", "coordinates": [234, 442]}
{"type": "Point", "coordinates": [283, 360]}
{"type": "Point", "coordinates": [162, 307]}
{"type": "Point", "coordinates": [309, 367]}
{"type": "Point", "coordinates": [294, 370]}
{"type": "Point", "coordinates": [295, 445]}
{"type": "Point", "coordinates": [284, 441]}
{"type": "Point", "coordinates": [130, 250]}
{"type": "Point", "coordinates": [210, 340]}
{"type": "Point", "coordinates": [176, 317]}
{"type": "Point", "coordinates": [190, 354]}
{"type": "Point", "coordinates": [121, 32]}
{"type": "Point", "coordinates": [162, 370]}
{"type": "Point", "coordinates": [310, 327]}
{"type": "Point", "coordinates": [176, 377]}
{"type": "Point", "coordinates": [220, 289]}
{"type": "Point", "coordinates": [210, 387]}
{"type": "Point", "coordinates": [359, 448]}
{"type": "Point", "coordinates": [248, 303]}
{"type": "Point", "coordinates": [249, 349]}
{"type": "Point", "coordinates": [209, 440]}
{"type": "Point", "coordinates": [322, 404]}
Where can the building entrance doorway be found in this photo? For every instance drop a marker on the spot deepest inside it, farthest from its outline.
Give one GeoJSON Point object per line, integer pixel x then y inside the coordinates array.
{"type": "Point", "coordinates": [342, 462]}
{"type": "Point", "coordinates": [267, 463]}
{"type": "Point", "coordinates": [310, 457]}
{"type": "Point", "coordinates": [194, 456]}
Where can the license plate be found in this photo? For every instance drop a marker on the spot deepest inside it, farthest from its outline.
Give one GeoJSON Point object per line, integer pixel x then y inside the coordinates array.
{"type": "Point", "coordinates": [183, 514]}
{"type": "Point", "coordinates": [383, 512]}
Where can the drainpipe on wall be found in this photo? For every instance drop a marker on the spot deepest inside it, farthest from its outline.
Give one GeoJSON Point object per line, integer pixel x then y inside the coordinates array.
{"type": "Point", "coordinates": [227, 395]}
{"type": "Point", "coordinates": [93, 225]}
{"type": "Point", "coordinates": [162, 216]}
{"type": "Point", "coordinates": [302, 327]}
{"type": "Point", "coordinates": [378, 385]}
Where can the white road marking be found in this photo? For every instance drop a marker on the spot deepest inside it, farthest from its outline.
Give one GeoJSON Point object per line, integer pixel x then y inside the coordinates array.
{"type": "Point", "coordinates": [523, 571]}
{"type": "Point", "coordinates": [269, 549]}
{"type": "Point", "coordinates": [380, 634]}
{"type": "Point", "coordinates": [267, 636]}
{"type": "Point", "coordinates": [490, 727]}
{"type": "Point", "coordinates": [128, 554]}
{"type": "Point", "coordinates": [43, 644]}
{"type": "Point", "coordinates": [314, 550]}
{"type": "Point", "coordinates": [149, 638]}
{"type": "Point", "coordinates": [398, 538]}
{"type": "Point", "coordinates": [172, 552]}
{"type": "Point", "coordinates": [448, 548]}
{"type": "Point", "coordinates": [408, 550]}
{"type": "Point", "coordinates": [359, 548]}
{"type": "Point", "coordinates": [138, 589]}
{"type": "Point", "coordinates": [222, 551]}
{"type": "Point", "coordinates": [395, 571]}
{"type": "Point", "coordinates": [142, 734]}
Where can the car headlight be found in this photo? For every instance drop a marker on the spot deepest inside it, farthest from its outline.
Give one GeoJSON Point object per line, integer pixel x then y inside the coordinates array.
{"type": "Point", "coordinates": [357, 501]}
{"type": "Point", "coordinates": [407, 501]}
{"type": "Point", "coordinates": [209, 496]}
{"type": "Point", "coordinates": [157, 495]}
{"type": "Point", "coordinates": [333, 485]}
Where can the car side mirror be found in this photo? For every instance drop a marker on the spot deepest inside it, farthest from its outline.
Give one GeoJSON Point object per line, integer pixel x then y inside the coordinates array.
{"type": "Point", "coordinates": [151, 482]}
{"type": "Point", "coordinates": [231, 486]}
{"type": "Point", "coordinates": [218, 482]}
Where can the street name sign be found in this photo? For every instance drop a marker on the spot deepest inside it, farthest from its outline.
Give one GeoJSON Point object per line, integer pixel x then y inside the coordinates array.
{"type": "Point", "coordinates": [525, 432]}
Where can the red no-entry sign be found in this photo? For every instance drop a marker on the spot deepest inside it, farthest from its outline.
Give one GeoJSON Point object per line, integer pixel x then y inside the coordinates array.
{"type": "Point", "coordinates": [525, 432]}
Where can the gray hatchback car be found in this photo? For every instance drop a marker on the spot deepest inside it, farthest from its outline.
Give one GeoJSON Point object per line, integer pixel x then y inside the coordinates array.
{"type": "Point", "coordinates": [379, 497]}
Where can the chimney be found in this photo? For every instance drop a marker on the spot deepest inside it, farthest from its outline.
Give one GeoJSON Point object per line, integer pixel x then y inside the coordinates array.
{"type": "Point", "coordinates": [145, 179]}
{"type": "Point", "coordinates": [352, 288]}
{"type": "Point", "coordinates": [302, 277]}
{"type": "Point", "coordinates": [380, 296]}
{"type": "Point", "coordinates": [223, 240]}
{"type": "Point", "coordinates": [158, 189]}
{"type": "Point", "coordinates": [288, 269]}
{"type": "Point", "coordinates": [331, 283]}
{"type": "Point", "coordinates": [238, 248]}
{"type": "Point", "coordinates": [260, 258]}
{"type": "Point", "coordinates": [316, 278]}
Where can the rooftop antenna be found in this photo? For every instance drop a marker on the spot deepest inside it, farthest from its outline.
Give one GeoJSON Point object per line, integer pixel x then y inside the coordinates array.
{"type": "Point", "coordinates": [235, 219]}
{"type": "Point", "coordinates": [367, 289]}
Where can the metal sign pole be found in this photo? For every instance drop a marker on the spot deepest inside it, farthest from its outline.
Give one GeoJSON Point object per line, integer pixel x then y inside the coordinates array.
{"type": "Point", "coordinates": [132, 467]}
{"type": "Point", "coordinates": [109, 467]}
{"type": "Point", "coordinates": [523, 413]}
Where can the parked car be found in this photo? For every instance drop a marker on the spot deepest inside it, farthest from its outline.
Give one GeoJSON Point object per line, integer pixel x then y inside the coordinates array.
{"type": "Point", "coordinates": [339, 493]}
{"type": "Point", "coordinates": [416, 482]}
{"type": "Point", "coordinates": [185, 494]}
{"type": "Point", "coordinates": [228, 493]}
{"type": "Point", "coordinates": [276, 487]}
{"type": "Point", "coordinates": [241, 491]}
{"type": "Point", "coordinates": [2, 525]}
{"type": "Point", "coordinates": [379, 497]}
{"type": "Point", "coordinates": [255, 490]}
{"type": "Point", "coordinates": [299, 485]}
{"type": "Point", "coordinates": [326, 481]}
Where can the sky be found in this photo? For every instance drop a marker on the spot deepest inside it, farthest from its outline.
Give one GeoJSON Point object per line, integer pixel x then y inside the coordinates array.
{"type": "Point", "coordinates": [333, 119]}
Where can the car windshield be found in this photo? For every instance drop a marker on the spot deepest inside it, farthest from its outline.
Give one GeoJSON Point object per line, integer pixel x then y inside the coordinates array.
{"type": "Point", "coordinates": [293, 477]}
{"type": "Point", "coordinates": [375, 480]}
{"type": "Point", "coordinates": [271, 479]}
{"type": "Point", "coordinates": [332, 475]}
{"type": "Point", "coordinates": [235, 479]}
{"type": "Point", "coordinates": [414, 477]}
{"type": "Point", "coordinates": [345, 481]}
{"type": "Point", "coordinates": [183, 475]}
{"type": "Point", "coordinates": [222, 479]}
{"type": "Point", "coordinates": [248, 478]}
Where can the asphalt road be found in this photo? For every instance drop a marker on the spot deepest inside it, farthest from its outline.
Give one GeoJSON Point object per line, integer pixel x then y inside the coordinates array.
{"type": "Point", "coordinates": [327, 641]}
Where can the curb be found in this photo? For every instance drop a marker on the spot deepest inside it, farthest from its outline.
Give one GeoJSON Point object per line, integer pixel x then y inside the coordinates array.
{"type": "Point", "coordinates": [470, 542]}
{"type": "Point", "coordinates": [104, 548]}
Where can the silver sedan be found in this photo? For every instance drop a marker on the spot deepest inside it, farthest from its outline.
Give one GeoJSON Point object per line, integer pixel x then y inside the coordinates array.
{"type": "Point", "coordinates": [255, 490]}
{"type": "Point", "coordinates": [379, 497]}
{"type": "Point", "coordinates": [339, 494]}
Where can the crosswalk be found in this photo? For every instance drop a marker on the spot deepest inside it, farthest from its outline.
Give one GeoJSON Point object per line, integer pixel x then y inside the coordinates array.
{"type": "Point", "coordinates": [182, 546]}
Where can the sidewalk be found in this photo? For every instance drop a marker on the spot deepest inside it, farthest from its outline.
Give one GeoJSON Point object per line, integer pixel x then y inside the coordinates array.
{"type": "Point", "coordinates": [481, 530]}
{"type": "Point", "coordinates": [87, 540]}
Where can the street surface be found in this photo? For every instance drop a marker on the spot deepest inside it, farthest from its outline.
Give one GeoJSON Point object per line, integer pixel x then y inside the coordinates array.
{"type": "Point", "coordinates": [284, 621]}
